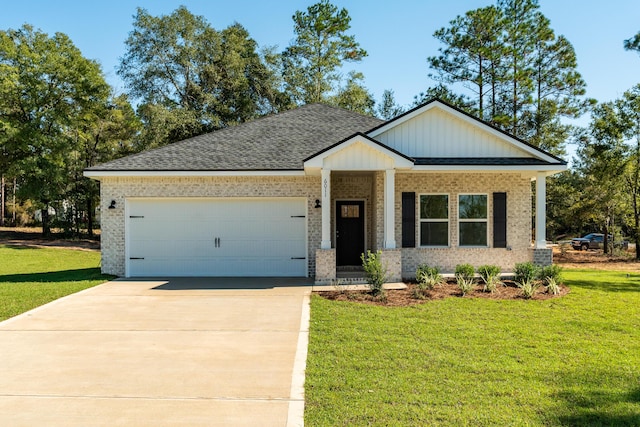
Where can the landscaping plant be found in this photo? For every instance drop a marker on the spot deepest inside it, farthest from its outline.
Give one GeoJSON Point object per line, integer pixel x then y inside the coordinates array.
{"type": "Point", "coordinates": [528, 288]}
{"type": "Point", "coordinates": [428, 277]}
{"type": "Point", "coordinates": [525, 272]}
{"type": "Point", "coordinates": [553, 271]}
{"type": "Point", "coordinates": [376, 273]}
{"type": "Point", "coordinates": [490, 275]}
{"type": "Point", "coordinates": [553, 287]}
{"type": "Point", "coordinates": [466, 271]}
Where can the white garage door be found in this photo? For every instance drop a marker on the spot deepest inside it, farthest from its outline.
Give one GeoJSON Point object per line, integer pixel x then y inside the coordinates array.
{"type": "Point", "coordinates": [216, 237]}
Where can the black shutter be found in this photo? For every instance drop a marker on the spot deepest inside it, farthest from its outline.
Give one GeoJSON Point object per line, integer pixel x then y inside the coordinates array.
{"type": "Point", "coordinates": [499, 220]}
{"type": "Point", "coordinates": [408, 220]}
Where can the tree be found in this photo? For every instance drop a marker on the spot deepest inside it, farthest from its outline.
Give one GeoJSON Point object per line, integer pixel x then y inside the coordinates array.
{"type": "Point", "coordinates": [46, 86]}
{"type": "Point", "coordinates": [519, 74]}
{"type": "Point", "coordinates": [354, 96]}
{"type": "Point", "coordinates": [191, 79]}
{"type": "Point", "coordinates": [633, 43]}
{"type": "Point", "coordinates": [471, 55]}
{"type": "Point", "coordinates": [311, 63]}
{"type": "Point", "coordinates": [388, 108]}
{"type": "Point", "coordinates": [447, 95]}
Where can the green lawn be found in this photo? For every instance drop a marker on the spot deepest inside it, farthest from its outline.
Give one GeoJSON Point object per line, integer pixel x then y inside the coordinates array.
{"type": "Point", "coordinates": [30, 277]}
{"type": "Point", "coordinates": [571, 361]}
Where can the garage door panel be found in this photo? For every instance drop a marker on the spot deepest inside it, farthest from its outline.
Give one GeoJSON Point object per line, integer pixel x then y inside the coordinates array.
{"type": "Point", "coordinates": [217, 237]}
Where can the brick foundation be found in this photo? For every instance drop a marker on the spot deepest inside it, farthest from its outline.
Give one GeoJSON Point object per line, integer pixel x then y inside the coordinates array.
{"type": "Point", "coordinates": [543, 257]}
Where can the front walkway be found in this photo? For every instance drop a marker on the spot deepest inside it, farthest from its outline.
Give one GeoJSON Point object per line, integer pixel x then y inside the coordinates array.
{"type": "Point", "coordinates": [192, 352]}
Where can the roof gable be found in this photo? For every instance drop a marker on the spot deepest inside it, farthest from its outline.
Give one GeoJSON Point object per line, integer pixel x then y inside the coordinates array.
{"type": "Point", "coordinates": [438, 130]}
{"type": "Point", "coordinates": [358, 152]}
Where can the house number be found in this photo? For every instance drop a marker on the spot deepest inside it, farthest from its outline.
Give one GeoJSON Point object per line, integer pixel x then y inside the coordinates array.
{"type": "Point", "coordinates": [325, 187]}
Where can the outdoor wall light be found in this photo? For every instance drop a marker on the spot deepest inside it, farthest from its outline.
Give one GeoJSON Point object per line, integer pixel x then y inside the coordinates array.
{"type": "Point", "coordinates": [112, 205]}
{"type": "Point", "coordinates": [318, 205]}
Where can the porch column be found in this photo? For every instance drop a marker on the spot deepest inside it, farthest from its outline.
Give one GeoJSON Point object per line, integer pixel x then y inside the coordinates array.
{"type": "Point", "coordinates": [325, 242]}
{"type": "Point", "coordinates": [390, 209]}
{"type": "Point", "coordinates": [541, 211]}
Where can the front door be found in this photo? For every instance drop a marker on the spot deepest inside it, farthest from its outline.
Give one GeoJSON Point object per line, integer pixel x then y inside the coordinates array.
{"type": "Point", "coordinates": [349, 232]}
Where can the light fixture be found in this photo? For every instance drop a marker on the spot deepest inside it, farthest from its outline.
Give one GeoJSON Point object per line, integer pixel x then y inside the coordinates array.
{"type": "Point", "coordinates": [112, 205]}
{"type": "Point", "coordinates": [318, 205]}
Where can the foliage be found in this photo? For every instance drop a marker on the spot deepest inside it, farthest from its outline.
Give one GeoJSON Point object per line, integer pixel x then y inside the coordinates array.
{"type": "Point", "coordinates": [465, 284]}
{"type": "Point", "coordinates": [428, 277]}
{"type": "Point", "coordinates": [553, 287]}
{"type": "Point", "coordinates": [555, 362]}
{"type": "Point", "coordinates": [32, 277]}
{"type": "Point", "coordinates": [466, 271]}
{"type": "Point", "coordinates": [528, 287]}
{"type": "Point", "coordinates": [525, 272]}
{"type": "Point", "coordinates": [633, 43]}
{"type": "Point", "coordinates": [312, 62]}
{"type": "Point", "coordinates": [388, 108]}
{"type": "Point", "coordinates": [490, 275]}
{"type": "Point", "coordinates": [191, 78]}
{"type": "Point", "coordinates": [519, 74]}
{"type": "Point", "coordinates": [550, 272]}
{"type": "Point", "coordinates": [52, 101]}
{"type": "Point", "coordinates": [354, 96]}
{"type": "Point", "coordinates": [375, 271]}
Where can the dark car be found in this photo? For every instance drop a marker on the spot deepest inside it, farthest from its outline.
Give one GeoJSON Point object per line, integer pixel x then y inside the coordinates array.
{"type": "Point", "coordinates": [593, 241]}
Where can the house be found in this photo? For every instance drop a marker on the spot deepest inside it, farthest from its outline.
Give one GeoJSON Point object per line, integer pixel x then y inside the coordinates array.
{"type": "Point", "coordinates": [306, 191]}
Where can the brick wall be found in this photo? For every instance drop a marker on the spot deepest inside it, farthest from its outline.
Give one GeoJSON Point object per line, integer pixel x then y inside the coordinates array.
{"type": "Point", "coordinates": [518, 191]}
{"type": "Point", "coordinates": [118, 189]}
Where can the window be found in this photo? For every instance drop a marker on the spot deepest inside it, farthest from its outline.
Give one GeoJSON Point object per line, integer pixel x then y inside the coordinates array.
{"type": "Point", "coordinates": [434, 220]}
{"type": "Point", "coordinates": [472, 214]}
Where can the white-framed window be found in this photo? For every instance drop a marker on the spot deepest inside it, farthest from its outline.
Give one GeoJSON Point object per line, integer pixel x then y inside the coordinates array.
{"type": "Point", "coordinates": [472, 219]}
{"type": "Point", "coordinates": [434, 220]}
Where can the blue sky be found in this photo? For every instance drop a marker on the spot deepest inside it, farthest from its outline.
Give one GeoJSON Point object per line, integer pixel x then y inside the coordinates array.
{"type": "Point", "coordinates": [397, 34]}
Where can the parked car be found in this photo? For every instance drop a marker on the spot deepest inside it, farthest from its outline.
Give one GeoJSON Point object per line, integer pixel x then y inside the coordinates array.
{"type": "Point", "coordinates": [594, 241]}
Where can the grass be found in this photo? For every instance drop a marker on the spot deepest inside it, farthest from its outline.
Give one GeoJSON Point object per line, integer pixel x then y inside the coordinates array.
{"type": "Point", "coordinates": [569, 361]}
{"type": "Point", "coordinates": [30, 277]}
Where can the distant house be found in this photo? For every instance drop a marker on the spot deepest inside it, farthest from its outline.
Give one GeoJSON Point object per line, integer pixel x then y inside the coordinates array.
{"type": "Point", "coordinates": [306, 191]}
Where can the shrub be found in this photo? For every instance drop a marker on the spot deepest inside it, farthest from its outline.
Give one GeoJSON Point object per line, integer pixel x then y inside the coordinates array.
{"type": "Point", "coordinates": [465, 284]}
{"type": "Point", "coordinates": [553, 287]}
{"type": "Point", "coordinates": [552, 271]}
{"type": "Point", "coordinates": [466, 271]}
{"type": "Point", "coordinates": [375, 271]}
{"type": "Point", "coordinates": [528, 288]}
{"type": "Point", "coordinates": [525, 272]}
{"type": "Point", "coordinates": [490, 275]}
{"type": "Point", "coordinates": [428, 277]}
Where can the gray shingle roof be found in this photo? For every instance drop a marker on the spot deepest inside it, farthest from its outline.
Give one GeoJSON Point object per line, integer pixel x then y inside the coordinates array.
{"type": "Point", "coordinates": [479, 161]}
{"type": "Point", "coordinates": [277, 142]}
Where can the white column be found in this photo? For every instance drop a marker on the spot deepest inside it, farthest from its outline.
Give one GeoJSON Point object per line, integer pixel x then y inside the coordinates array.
{"type": "Point", "coordinates": [541, 210]}
{"type": "Point", "coordinates": [390, 209]}
{"type": "Point", "coordinates": [325, 243]}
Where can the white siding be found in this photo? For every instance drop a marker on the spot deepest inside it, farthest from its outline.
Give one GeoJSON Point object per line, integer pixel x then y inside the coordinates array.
{"type": "Point", "coordinates": [437, 133]}
{"type": "Point", "coordinates": [358, 156]}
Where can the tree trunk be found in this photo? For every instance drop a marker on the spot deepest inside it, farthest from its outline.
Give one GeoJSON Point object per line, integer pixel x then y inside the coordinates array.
{"type": "Point", "coordinates": [90, 216]}
{"type": "Point", "coordinates": [46, 227]}
{"type": "Point", "coordinates": [605, 241]}
{"type": "Point", "coordinates": [2, 201]}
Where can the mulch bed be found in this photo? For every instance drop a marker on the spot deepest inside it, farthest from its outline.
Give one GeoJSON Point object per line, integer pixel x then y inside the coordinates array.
{"type": "Point", "coordinates": [407, 297]}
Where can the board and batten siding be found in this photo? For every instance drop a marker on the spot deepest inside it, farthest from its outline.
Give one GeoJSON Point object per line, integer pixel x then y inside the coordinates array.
{"type": "Point", "coordinates": [437, 133]}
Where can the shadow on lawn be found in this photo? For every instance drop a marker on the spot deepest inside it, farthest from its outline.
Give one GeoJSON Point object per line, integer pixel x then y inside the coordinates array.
{"type": "Point", "coordinates": [57, 276]}
{"type": "Point", "coordinates": [596, 409]}
{"type": "Point", "coordinates": [630, 284]}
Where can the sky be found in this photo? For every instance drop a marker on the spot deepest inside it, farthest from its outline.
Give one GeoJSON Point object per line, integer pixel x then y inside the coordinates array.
{"type": "Point", "coordinates": [398, 34]}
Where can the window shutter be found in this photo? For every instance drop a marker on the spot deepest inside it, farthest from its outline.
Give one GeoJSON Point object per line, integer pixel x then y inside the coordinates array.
{"type": "Point", "coordinates": [499, 220]}
{"type": "Point", "coordinates": [408, 220]}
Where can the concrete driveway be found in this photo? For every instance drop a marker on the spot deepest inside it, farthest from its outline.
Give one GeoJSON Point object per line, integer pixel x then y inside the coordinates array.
{"type": "Point", "coordinates": [193, 352]}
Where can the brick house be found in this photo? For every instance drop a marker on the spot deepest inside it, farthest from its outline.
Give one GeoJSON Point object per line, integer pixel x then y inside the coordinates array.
{"type": "Point", "coordinates": [306, 191]}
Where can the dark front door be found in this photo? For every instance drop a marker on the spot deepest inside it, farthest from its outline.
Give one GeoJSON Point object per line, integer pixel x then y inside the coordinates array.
{"type": "Point", "coordinates": [349, 232]}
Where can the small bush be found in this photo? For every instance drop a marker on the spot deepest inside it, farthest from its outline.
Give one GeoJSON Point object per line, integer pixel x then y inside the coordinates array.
{"type": "Point", "coordinates": [428, 277]}
{"type": "Point", "coordinates": [375, 271]}
{"type": "Point", "coordinates": [466, 271]}
{"type": "Point", "coordinates": [553, 287]}
{"type": "Point", "coordinates": [552, 271]}
{"type": "Point", "coordinates": [526, 272]}
{"type": "Point", "coordinates": [528, 288]}
{"type": "Point", "coordinates": [465, 285]}
{"type": "Point", "coordinates": [490, 275]}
